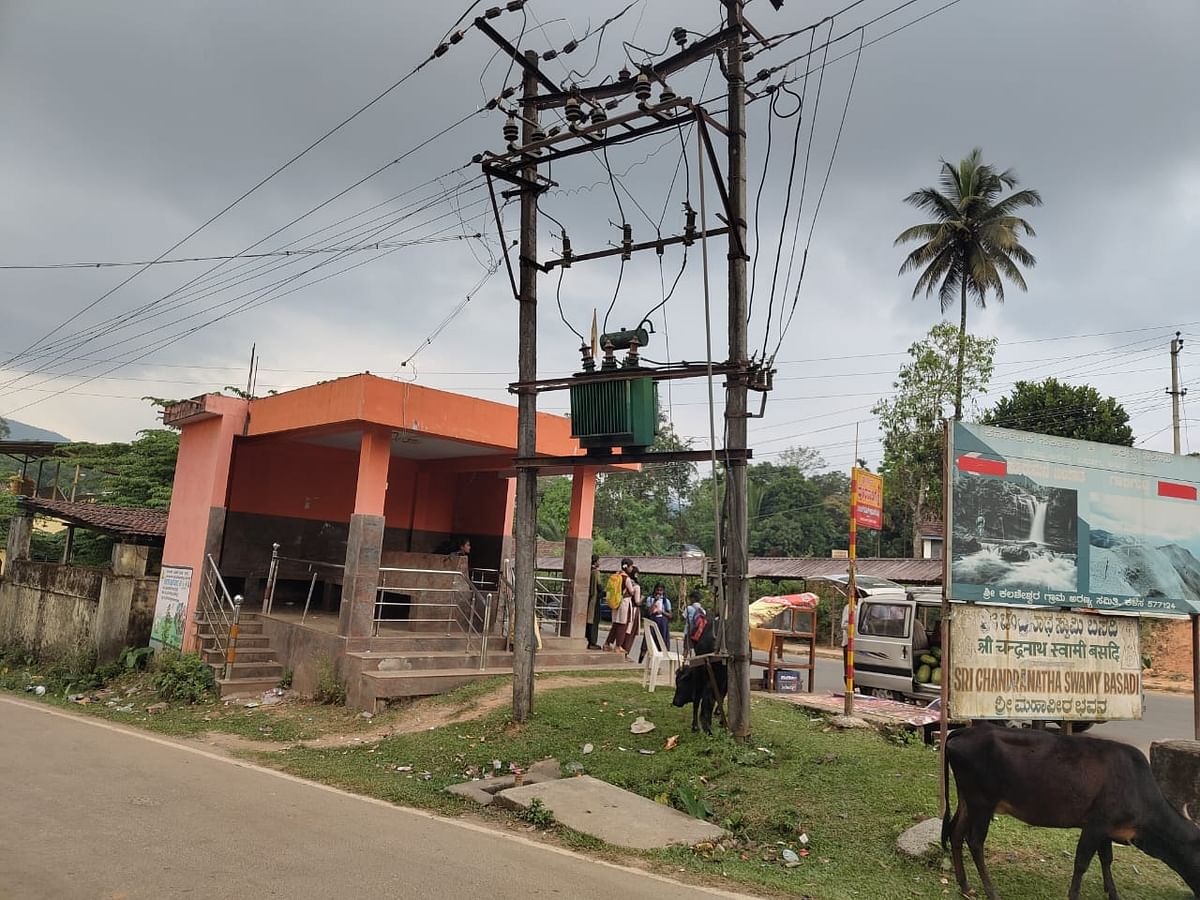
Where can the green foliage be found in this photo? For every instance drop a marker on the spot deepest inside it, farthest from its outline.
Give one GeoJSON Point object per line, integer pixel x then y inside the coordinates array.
{"type": "Point", "coordinates": [536, 814]}
{"type": "Point", "coordinates": [183, 676]}
{"type": "Point", "coordinates": [912, 423]}
{"type": "Point", "coordinates": [1066, 410]}
{"type": "Point", "coordinates": [690, 798]}
{"type": "Point", "coordinates": [8, 509]}
{"type": "Point", "coordinates": [553, 507]}
{"type": "Point", "coordinates": [330, 688]}
{"type": "Point", "coordinates": [285, 680]}
{"type": "Point", "coordinates": [638, 512]}
{"type": "Point", "coordinates": [137, 474]}
{"type": "Point", "coordinates": [134, 659]}
{"type": "Point", "coordinates": [973, 243]}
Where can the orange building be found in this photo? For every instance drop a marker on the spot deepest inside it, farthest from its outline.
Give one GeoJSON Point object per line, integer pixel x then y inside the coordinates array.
{"type": "Point", "coordinates": [345, 497]}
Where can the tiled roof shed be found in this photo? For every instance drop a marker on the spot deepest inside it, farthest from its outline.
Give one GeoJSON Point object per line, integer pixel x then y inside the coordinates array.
{"type": "Point", "coordinates": [128, 523]}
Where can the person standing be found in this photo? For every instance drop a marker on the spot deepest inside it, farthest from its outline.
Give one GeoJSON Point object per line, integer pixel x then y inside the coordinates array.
{"type": "Point", "coordinates": [622, 611]}
{"type": "Point", "coordinates": [634, 626]}
{"type": "Point", "coordinates": [658, 611]}
{"type": "Point", "coordinates": [595, 599]}
{"type": "Point", "coordinates": [690, 612]}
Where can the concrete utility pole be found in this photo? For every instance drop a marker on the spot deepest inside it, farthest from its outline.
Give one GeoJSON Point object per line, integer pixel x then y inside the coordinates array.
{"type": "Point", "coordinates": [1175, 391]}
{"type": "Point", "coordinates": [524, 645]}
{"type": "Point", "coordinates": [737, 587]}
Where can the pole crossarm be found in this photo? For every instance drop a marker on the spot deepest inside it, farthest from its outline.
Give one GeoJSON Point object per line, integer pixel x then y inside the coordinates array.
{"type": "Point", "coordinates": [673, 456]}
{"type": "Point", "coordinates": [660, 71]}
{"type": "Point", "coordinates": [656, 244]}
{"type": "Point", "coordinates": [665, 373]}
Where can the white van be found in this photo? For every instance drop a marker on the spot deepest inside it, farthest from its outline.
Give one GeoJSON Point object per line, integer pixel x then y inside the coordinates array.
{"type": "Point", "coordinates": [894, 627]}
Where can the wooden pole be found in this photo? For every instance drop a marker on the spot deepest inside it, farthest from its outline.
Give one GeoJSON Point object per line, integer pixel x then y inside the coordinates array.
{"type": "Point", "coordinates": [737, 587]}
{"type": "Point", "coordinates": [524, 648]}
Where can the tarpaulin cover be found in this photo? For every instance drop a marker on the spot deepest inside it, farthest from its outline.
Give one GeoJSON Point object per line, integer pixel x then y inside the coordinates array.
{"type": "Point", "coordinates": [765, 609]}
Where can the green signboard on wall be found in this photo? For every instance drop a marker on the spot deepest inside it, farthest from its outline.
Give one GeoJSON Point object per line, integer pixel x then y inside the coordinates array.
{"type": "Point", "coordinates": [1038, 520]}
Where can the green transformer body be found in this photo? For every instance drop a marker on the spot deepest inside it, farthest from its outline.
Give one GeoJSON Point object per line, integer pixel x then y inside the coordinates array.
{"type": "Point", "coordinates": [607, 414]}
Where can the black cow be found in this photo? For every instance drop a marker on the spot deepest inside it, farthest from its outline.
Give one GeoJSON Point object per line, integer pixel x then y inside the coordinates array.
{"type": "Point", "coordinates": [1060, 781]}
{"type": "Point", "coordinates": [693, 686]}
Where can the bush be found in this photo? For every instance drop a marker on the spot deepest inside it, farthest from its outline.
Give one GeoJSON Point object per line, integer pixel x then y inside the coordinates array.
{"type": "Point", "coordinates": [183, 677]}
{"type": "Point", "coordinates": [285, 680]}
{"type": "Point", "coordinates": [330, 688]}
{"type": "Point", "coordinates": [536, 814]}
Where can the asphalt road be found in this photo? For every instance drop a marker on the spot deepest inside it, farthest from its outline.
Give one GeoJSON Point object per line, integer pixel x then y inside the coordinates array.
{"type": "Point", "coordinates": [92, 810]}
{"type": "Point", "coordinates": [1166, 716]}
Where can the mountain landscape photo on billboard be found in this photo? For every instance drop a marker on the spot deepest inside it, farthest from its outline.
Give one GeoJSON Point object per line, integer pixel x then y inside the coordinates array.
{"type": "Point", "coordinates": [1012, 532]}
{"type": "Point", "coordinates": [1144, 547]}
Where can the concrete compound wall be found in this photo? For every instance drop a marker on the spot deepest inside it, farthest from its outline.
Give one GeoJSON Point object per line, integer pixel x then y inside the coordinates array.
{"type": "Point", "coordinates": [1176, 767]}
{"type": "Point", "coordinates": [59, 612]}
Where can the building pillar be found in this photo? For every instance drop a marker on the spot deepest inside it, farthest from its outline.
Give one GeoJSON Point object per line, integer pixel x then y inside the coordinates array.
{"type": "Point", "coordinates": [364, 545]}
{"type": "Point", "coordinates": [577, 552]}
{"type": "Point", "coordinates": [20, 537]}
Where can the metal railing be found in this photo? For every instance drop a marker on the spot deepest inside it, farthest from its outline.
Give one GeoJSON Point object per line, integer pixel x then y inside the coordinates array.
{"type": "Point", "coordinates": [220, 613]}
{"type": "Point", "coordinates": [549, 593]}
{"type": "Point", "coordinates": [433, 597]}
{"type": "Point", "coordinates": [310, 566]}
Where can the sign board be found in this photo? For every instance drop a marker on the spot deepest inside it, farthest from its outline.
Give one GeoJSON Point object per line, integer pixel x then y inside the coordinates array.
{"type": "Point", "coordinates": [868, 502]}
{"type": "Point", "coordinates": [839, 554]}
{"type": "Point", "coordinates": [1013, 663]}
{"type": "Point", "coordinates": [170, 608]}
{"type": "Point", "coordinates": [1048, 521]}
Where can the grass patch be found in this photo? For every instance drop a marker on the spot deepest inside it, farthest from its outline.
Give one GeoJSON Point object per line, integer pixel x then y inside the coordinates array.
{"type": "Point", "coordinates": [851, 794]}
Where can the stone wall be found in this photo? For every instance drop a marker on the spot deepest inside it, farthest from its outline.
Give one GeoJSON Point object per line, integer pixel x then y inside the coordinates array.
{"type": "Point", "coordinates": [57, 612]}
{"type": "Point", "coordinates": [1176, 767]}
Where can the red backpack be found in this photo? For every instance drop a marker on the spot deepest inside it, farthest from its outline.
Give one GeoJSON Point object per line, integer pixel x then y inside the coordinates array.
{"type": "Point", "coordinates": [698, 625]}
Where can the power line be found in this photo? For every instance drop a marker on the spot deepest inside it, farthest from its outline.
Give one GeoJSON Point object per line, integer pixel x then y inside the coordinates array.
{"type": "Point", "coordinates": [320, 140]}
{"type": "Point", "coordinates": [191, 259]}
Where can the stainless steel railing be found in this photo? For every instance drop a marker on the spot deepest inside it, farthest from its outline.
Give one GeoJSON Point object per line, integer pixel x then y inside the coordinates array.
{"type": "Point", "coordinates": [220, 613]}
{"type": "Point", "coordinates": [308, 566]}
{"type": "Point", "coordinates": [432, 598]}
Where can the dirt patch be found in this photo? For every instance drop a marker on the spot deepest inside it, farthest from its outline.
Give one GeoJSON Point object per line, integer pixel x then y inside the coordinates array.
{"type": "Point", "coordinates": [425, 714]}
{"type": "Point", "coordinates": [1169, 646]}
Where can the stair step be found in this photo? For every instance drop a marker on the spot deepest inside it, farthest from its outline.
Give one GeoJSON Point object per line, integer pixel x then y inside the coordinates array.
{"type": "Point", "coordinates": [245, 687]}
{"type": "Point", "coordinates": [244, 654]}
{"type": "Point", "coordinates": [424, 683]}
{"type": "Point", "coordinates": [208, 639]}
{"type": "Point", "coordinates": [255, 670]}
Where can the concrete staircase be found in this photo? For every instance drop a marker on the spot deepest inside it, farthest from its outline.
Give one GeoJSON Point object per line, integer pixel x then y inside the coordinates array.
{"type": "Point", "coordinates": [419, 666]}
{"type": "Point", "coordinates": [256, 667]}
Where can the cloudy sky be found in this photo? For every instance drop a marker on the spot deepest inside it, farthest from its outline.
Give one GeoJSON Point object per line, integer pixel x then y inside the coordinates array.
{"type": "Point", "coordinates": [127, 125]}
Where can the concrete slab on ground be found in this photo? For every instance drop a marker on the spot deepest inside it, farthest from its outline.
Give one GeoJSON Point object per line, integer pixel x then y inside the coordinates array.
{"type": "Point", "coordinates": [611, 813]}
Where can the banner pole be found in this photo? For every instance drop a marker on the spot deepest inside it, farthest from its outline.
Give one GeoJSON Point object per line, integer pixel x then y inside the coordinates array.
{"type": "Point", "coordinates": [852, 595]}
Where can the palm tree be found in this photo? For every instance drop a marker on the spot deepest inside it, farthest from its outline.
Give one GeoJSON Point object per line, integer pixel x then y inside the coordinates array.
{"type": "Point", "coordinates": [974, 242]}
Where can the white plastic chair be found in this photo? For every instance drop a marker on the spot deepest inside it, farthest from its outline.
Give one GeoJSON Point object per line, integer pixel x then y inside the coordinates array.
{"type": "Point", "coordinates": [658, 658]}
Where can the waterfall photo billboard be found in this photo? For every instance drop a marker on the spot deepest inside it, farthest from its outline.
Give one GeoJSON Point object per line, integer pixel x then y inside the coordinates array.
{"type": "Point", "coordinates": [1038, 520]}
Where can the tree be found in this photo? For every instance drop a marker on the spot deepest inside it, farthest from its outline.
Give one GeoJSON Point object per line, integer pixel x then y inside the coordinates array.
{"type": "Point", "coordinates": [136, 474]}
{"type": "Point", "coordinates": [973, 243]}
{"type": "Point", "coordinates": [553, 507]}
{"type": "Point", "coordinates": [1066, 410]}
{"type": "Point", "coordinates": [3, 429]}
{"type": "Point", "coordinates": [793, 508]}
{"type": "Point", "coordinates": [912, 421]}
{"type": "Point", "coordinates": [638, 512]}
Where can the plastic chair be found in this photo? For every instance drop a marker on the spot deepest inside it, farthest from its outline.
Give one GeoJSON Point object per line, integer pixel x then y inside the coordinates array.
{"type": "Point", "coordinates": [658, 658]}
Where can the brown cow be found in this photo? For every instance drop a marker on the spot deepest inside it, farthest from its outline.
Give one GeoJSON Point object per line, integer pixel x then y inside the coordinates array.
{"type": "Point", "coordinates": [1058, 781]}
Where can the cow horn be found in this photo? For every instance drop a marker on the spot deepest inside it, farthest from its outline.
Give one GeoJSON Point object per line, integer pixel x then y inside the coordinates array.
{"type": "Point", "coordinates": [1187, 812]}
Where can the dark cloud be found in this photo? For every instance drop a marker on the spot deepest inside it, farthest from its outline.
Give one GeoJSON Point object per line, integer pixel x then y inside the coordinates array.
{"type": "Point", "coordinates": [127, 126]}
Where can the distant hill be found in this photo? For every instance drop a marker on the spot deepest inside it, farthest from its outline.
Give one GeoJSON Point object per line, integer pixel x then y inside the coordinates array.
{"type": "Point", "coordinates": [19, 431]}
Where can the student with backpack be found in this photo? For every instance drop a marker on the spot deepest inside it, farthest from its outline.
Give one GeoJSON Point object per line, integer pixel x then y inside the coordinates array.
{"type": "Point", "coordinates": [620, 601]}
{"type": "Point", "coordinates": [693, 615]}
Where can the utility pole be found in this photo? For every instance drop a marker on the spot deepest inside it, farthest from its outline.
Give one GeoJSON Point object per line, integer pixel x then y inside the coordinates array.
{"type": "Point", "coordinates": [524, 645]}
{"type": "Point", "coordinates": [1175, 391]}
{"type": "Point", "coordinates": [737, 587]}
